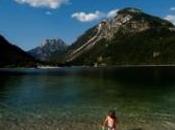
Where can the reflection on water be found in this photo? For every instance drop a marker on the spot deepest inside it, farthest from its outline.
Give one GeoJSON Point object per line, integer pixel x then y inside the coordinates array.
{"type": "Point", "coordinates": [89, 92]}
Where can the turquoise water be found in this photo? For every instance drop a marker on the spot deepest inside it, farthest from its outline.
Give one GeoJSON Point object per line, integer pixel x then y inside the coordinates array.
{"type": "Point", "coordinates": [87, 94]}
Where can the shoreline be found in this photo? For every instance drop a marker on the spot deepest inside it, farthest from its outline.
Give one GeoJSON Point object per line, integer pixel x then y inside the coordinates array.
{"type": "Point", "coordinates": [86, 66]}
{"type": "Point", "coordinates": [64, 124]}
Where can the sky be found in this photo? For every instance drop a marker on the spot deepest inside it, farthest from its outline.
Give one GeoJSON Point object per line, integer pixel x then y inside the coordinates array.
{"type": "Point", "coordinates": [27, 23]}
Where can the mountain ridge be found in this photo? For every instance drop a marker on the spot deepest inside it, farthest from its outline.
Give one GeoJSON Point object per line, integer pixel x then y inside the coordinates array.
{"type": "Point", "coordinates": [132, 37]}
{"type": "Point", "coordinates": [13, 56]}
{"type": "Point", "coordinates": [47, 48]}
{"type": "Point", "coordinates": [129, 23]}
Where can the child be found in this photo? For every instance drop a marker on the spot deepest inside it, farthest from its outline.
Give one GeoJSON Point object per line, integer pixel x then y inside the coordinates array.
{"type": "Point", "coordinates": [111, 121]}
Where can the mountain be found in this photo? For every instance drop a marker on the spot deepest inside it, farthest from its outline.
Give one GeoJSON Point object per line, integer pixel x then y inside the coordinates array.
{"type": "Point", "coordinates": [49, 50]}
{"type": "Point", "coordinates": [132, 37]}
{"type": "Point", "coordinates": [13, 56]}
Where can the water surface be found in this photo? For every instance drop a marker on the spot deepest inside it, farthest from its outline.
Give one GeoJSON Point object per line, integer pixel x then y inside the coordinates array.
{"type": "Point", "coordinates": [140, 96]}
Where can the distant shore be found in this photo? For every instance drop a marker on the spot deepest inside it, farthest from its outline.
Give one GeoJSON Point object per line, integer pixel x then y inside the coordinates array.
{"type": "Point", "coordinates": [87, 66]}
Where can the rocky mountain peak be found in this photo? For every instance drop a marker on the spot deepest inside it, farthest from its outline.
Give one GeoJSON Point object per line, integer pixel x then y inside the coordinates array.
{"type": "Point", "coordinates": [47, 48]}
{"type": "Point", "coordinates": [127, 21]}
{"type": "Point", "coordinates": [52, 42]}
{"type": "Point", "coordinates": [130, 10]}
{"type": "Point", "coordinates": [131, 20]}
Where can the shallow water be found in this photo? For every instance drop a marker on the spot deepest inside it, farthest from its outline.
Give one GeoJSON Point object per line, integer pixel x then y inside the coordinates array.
{"type": "Point", "coordinates": [79, 98]}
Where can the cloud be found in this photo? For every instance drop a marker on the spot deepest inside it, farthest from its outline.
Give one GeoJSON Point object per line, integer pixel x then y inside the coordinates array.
{"type": "Point", "coordinates": [48, 13]}
{"type": "Point", "coordinates": [170, 18]}
{"type": "Point", "coordinates": [172, 8]}
{"type": "Point", "coordinates": [87, 17]}
{"type": "Point", "coordinates": [53, 4]}
{"type": "Point", "coordinates": [112, 13]}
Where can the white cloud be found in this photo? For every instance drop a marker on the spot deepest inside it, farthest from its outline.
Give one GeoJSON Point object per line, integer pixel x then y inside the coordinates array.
{"type": "Point", "coordinates": [48, 13]}
{"type": "Point", "coordinates": [87, 17]}
{"type": "Point", "coordinates": [53, 4]}
{"type": "Point", "coordinates": [172, 8]}
{"type": "Point", "coordinates": [112, 13]}
{"type": "Point", "coordinates": [170, 18]}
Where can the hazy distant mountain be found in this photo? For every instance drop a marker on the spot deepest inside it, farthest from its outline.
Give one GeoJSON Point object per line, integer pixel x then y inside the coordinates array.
{"type": "Point", "coordinates": [13, 56]}
{"type": "Point", "coordinates": [132, 37]}
{"type": "Point", "coordinates": [48, 50]}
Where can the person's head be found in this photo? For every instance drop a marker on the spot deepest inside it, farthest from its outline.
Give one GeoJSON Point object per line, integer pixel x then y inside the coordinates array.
{"type": "Point", "coordinates": [112, 114]}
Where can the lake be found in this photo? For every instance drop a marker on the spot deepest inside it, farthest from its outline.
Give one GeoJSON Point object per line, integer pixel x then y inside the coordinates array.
{"type": "Point", "coordinates": [78, 98]}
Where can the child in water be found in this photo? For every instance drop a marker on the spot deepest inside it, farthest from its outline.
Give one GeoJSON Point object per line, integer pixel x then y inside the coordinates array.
{"type": "Point", "coordinates": [111, 121]}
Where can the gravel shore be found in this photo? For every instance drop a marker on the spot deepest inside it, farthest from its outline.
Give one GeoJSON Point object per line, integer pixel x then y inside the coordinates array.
{"type": "Point", "coordinates": [81, 124]}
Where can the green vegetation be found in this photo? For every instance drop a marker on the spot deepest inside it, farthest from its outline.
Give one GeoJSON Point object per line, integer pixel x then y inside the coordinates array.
{"type": "Point", "coordinates": [83, 38]}
{"type": "Point", "coordinates": [137, 38]}
{"type": "Point", "coordinates": [154, 46]}
{"type": "Point", "coordinates": [131, 38]}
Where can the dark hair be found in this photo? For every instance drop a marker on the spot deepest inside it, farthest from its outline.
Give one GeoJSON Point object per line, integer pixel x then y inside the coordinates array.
{"type": "Point", "coordinates": [112, 114]}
